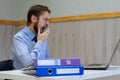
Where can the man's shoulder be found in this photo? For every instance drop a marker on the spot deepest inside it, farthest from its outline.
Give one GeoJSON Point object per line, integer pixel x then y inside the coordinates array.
{"type": "Point", "coordinates": [20, 33]}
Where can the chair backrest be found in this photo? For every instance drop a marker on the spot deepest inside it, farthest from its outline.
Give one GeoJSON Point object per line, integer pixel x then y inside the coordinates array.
{"type": "Point", "coordinates": [6, 65]}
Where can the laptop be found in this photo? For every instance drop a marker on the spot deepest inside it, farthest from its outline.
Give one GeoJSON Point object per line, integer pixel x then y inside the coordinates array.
{"type": "Point", "coordinates": [102, 66]}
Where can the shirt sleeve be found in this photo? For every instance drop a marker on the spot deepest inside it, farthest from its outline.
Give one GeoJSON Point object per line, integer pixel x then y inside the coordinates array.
{"type": "Point", "coordinates": [48, 52]}
{"type": "Point", "coordinates": [39, 47]}
{"type": "Point", "coordinates": [22, 52]}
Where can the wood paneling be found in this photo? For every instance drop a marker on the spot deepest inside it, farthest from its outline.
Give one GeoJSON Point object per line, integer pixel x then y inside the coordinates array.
{"type": "Point", "coordinates": [68, 18]}
{"type": "Point", "coordinates": [7, 22]}
{"type": "Point", "coordinates": [86, 17]}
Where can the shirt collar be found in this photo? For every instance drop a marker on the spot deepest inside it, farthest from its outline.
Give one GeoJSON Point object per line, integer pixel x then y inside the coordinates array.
{"type": "Point", "coordinates": [30, 34]}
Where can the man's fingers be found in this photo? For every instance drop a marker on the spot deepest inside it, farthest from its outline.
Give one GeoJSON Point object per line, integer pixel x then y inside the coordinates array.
{"type": "Point", "coordinates": [38, 30]}
{"type": "Point", "coordinates": [44, 33]}
{"type": "Point", "coordinates": [43, 36]}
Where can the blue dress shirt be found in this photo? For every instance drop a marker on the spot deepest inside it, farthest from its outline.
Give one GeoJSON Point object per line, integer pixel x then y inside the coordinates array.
{"type": "Point", "coordinates": [24, 49]}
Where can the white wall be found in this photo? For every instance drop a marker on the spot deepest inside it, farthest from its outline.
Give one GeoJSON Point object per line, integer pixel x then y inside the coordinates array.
{"type": "Point", "coordinates": [17, 9]}
{"type": "Point", "coordinates": [73, 7]}
{"type": "Point", "coordinates": [8, 9]}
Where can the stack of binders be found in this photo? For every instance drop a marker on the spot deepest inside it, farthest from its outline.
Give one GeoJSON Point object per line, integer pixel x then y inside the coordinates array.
{"type": "Point", "coordinates": [55, 67]}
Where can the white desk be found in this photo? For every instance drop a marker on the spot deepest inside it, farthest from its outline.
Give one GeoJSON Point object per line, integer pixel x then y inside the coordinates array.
{"type": "Point", "coordinates": [91, 74]}
{"type": "Point", "coordinates": [88, 74]}
{"type": "Point", "coordinates": [18, 75]}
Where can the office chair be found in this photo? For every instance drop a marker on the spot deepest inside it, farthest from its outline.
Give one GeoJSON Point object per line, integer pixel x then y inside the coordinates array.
{"type": "Point", "coordinates": [6, 65]}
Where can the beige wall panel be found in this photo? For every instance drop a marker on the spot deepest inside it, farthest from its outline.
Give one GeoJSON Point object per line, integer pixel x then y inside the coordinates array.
{"type": "Point", "coordinates": [6, 35]}
{"type": "Point", "coordinates": [93, 41]}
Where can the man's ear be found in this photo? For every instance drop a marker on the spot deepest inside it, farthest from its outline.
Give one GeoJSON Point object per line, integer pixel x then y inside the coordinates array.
{"type": "Point", "coordinates": [33, 19]}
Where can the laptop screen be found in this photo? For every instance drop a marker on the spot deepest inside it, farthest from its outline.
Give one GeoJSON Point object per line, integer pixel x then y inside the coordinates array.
{"type": "Point", "coordinates": [102, 66]}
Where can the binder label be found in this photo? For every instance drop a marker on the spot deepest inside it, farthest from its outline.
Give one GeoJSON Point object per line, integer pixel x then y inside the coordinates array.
{"type": "Point", "coordinates": [68, 71]}
{"type": "Point", "coordinates": [48, 62]}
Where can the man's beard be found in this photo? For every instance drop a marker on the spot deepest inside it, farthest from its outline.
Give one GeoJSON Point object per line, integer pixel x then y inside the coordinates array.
{"type": "Point", "coordinates": [42, 29]}
{"type": "Point", "coordinates": [36, 27]}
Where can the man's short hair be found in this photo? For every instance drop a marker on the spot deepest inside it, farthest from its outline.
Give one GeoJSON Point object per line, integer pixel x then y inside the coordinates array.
{"type": "Point", "coordinates": [36, 10]}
